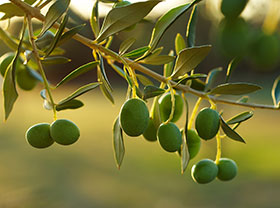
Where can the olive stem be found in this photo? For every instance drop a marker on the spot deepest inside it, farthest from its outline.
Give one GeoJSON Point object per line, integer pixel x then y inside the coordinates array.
{"type": "Point", "coordinates": [172, 103]}
{"type": "Point", "coordinates": [40, 66]}
{"type": "Point", "coordinates": [219, 147]}
{"type": "Point", "coordinates": [194, 112]}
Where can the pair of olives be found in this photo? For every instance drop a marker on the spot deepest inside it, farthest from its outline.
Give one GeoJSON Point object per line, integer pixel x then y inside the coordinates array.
{"type": "Point", "coordinates": [24, 76]}
{"type": "Point", "coordinates": [61, 131]}
{"type": "Point", "coordinates": [207, 170]}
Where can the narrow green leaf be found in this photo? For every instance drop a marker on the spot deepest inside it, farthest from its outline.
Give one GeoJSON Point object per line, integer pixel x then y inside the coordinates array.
{"type": "Point", "coordinates": [54, 13]}
{"type": "Point", "coordinates": [198, 84]}
{"type": "Point", "coordinates": [168, 68]}
{"type": "Point", "coordinates": [137, 52]}
{"type": "Point", "coordinates": [70, 33]}
{"type": "Point", "coordinates": [155, 112]}
{"type": "Point", "coordinates": [212, 78]}
{"type": "Point", "coordinates": [191, 28]}
{"type": "Point", "coordinates": [235, 89]}
{"type": "Point", "coordinates": [109, 1]}
{"type": "Point", "coordinates": [104, 88]}
{"type": "Point", "coordinates": [232, 65]}
{"type": "Point", "coordinates": [152, 91]}
{"type": "Point", "coordinates": [72, 104]}
{"type": "Point", "coordinates": [275, 92]}
{"type": "Point", "coordinates": [10, 10]}
{"type": "Point", "coordinates": [125, 45]}
{"type": "Point", "coordinates": [157, 60]}
{"type": "Point", "coordinates": [185, 156]}
{"type": "Point", "coordinates": [118, 143]}
{"type": "Point", "coordinates": [79, 71]}
{"type": "Point", "coordinates": [187, 77]}
{"type": "Point", "coordinates": [120, 18]}
{"type": "Point", "coordinates": [180, 43]}
{"type": "Point", "coordinates": [94, 19]}
{"type": "Point", "coordinates": [118, 70]}
{"type": "Point", "coordinates": [57, 36]}
{"type": "Point", "coordinates": [9, 86]}
{"type": "Point", "coordinates": [55, 60]}
{"type": "Point", "coordinates": [144, 80]}
{"type": "Point", "coordinates": [240, 117]}
{"type": "Point", "coordinates": [188, 59]}
{"type": "Point", "coordinates": [103, 73]}
{"type": "Point", "coordinates": [230, 132]}
{"type": "Point", "coordinates": [244, 99]}
{"type": "Point", "coordinates": [79, 92]}
{"type": "Point", "coordinates": [166, 20]}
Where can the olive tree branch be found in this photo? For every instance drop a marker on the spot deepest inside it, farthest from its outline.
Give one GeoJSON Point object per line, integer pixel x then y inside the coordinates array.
{"type": "Point", "coordinates": [35, 12]}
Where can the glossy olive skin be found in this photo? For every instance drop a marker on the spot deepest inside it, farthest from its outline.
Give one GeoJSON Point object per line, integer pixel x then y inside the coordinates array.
{"type": "Point", "coordinates": [165, 106]}
{"type": "Point", "coordinates": [169, 137]}
{"type": "Point", "coordinates": [204, 171]}
{"type": "Point", "coordinates": [207, 123]}
{"type": "Point", "coordinates": [227, 169]}
{"type": "Point", "coordinates": [233, 8]}
{"type": "Point", "coordinates": [38, 136]}
{"type": "Point", "coordinates": [64, 132]}
{"type": "Point", "coordinates": [134, 117]}
{"type": "Point", "coordinates": [150, 133]}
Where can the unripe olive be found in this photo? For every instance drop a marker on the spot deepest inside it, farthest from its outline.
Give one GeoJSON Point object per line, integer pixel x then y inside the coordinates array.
{"type": "Point", "coordinates": [64, 132]}
{"type": "Point", "coordinates": [193, 142]}
{"type": "Point", "coordinates": [165, 106]}
{"type": "Point", "coordinates": [5, 61]}
{"type": "Point", "coordinates": [150, 133]}
{"type": "Point", "coordinates": [24, 78]}
{"type": "Point", "coordinates": [204, 171]}
{"type": "Point", "coordinates": [207, 123]}
{"type": "Point", "coordinates": [227, 169]}
{"type": "Point", "coordinates": [134, 117]}
{"type": "Point", "coordinates": [233, 8]}
{"type": "Point", "coordinates": [45, 40]}
{"type": "Point", "coordinates": [39, 136]}
{"type": "Point", "coordinates": [169, 137]}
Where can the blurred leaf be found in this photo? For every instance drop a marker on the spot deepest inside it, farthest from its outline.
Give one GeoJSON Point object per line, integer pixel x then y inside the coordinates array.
{"type": "Point", "coordinates": [47, 105]}
{"type": "Point", "coordinates": [276, 92]}
{"type": "Point", "coordinates": [120, 18]}
{"type": "Point", "coordinates": [35, 74]}
{"type": "Point", "coordinates": [55, 60]}
{"type": "Point", "coordinates": [168, 68]}
{"type": "Point", "coordinates": [235, 89]}
{"type": "Point", "coordinates": [157, 60]}
{"type": "Point", "coordinates": [118, 70]}
{"type": "Point", "coordinates": [212, 77]}
{"type": "Point", "coordinates": [155, 112]}
{"type": "Point", "coordinates": [165, 21]}
{"type": "Point", "coordinates": [94, 19]}
{"type": "Point", "coordinates": [198, 84]}
{"type": "Point", "coordinates": [152, 91]}
{"type": "Point", "coordinates": [191, 28]}
{"type": "Point", "coordinates": [125, 45]}
{"type": "Point", "coordinates": [232, 65]}
{"type": "Point", "coordinates": [118, 143]}
{"type": "Point", "coordinates": [185, 156]}
{"type": "Point", "coordinates": [244, 99]}
{"type": "Point", "coordinates": [189, 58]}
{"type": "Point", "coordinates": [57, 36]}
{"type": "Point", "coordinates": [30, 1]}
{"type": "Point", "coordinates": [109, 1]}
{"type": "Point", "coordinates": [9, 86]}
{"type": "Point", "coordinates": [104, 88]}
{"type": "Point", "coordinates": [79, 71]}
{"type": "Point", "coordinates": [69, 34]}
{"type": "Point", "coordinates": [230, 132]}
{"type": "Point", "coordinates": [103, 73]}
{"type": "Point", "coordinates": [79, 92]}
{"type": "Point", "coordinates": [10, 10]}
{"type": "Point", "coordinates": [180, 43]}
{"type": "Point", "coordinates": [240, 117]}
{"type": "Point", "coordinates": [187, 77]}
{"type": "Point", "coordinates": [72, 104]}
{"type": "Point", "coordinates": [144, 80]}
{"type": "Point", "coordinates": [43, 94]}
{"type": "Point", "coordinates": [54, 13]}
{"type": "Point", "coordinates": [137, 52]}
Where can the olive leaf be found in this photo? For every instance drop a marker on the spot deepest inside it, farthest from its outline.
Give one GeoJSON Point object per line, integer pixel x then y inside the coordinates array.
{"type": "Point", "coordinates": [105, 89]}
{"type": "Point", "coordinates": [157, 60]}
{"type": "Point", "coordinates": [10, 10]}
{"type": "Point", "coordinates": [180, 43]}
{"type": "Point", "coordinates": [275, 92]}
{"type": "Point", "coordinates": [79, 71]}
{"type": "Point", "coordinates": [144, 80]}
{"type": "Point", "coordinates": [185, 155]}
{"type": "Point", "coordinates": [122, 17]}
{"type": "Point", "coordinates": [232, 65]}
{"type": "Point", "coordinates": [118, 69]}
{"type": "Point", "coordinates": [188, 59]}
{"type": "Point", "coordinates": [168, 68]}
{"type": "Point", "coordinates": [125, 45]}
{"type": "Point", "coordinates": [212, 77]}
{"type": "Point", "coordinates": [240, 117]}
{"type": "Point", "coordinates": [137, 52]}
{"type": "Point", "coordinates": [187, 77]}
{"type": "Point", "coordinates": [118, 143]}
{"type": "Point", "coordinates": [55, 60]}
{"type": "Point", "coordinates": [55, 11]}
{"type": "Point", "coordinates": [243, 99]}
{"type": "Point", "coordinates": [155, 112]}
{"type": "Point", "coordinates": [152, 91]}
{"type": "Point", "coordinates": [191, 28]}
{"type": "Point", "coordinates": [82, 90]}
{"type": "Point", "coordinates": [238, 88]}
{"type": "Point", "coordinates": [103, 73]}
{"type": "Point", "coordinates": [94, 19]}
{"type": "Point", "coordinates": [198, 84]}
{"type": "Point", "coordinates": [70, 33]}
{"type": "Point", "coordinates": [71, 104]}
{"type": "Point", "coordinates": [230, 132]}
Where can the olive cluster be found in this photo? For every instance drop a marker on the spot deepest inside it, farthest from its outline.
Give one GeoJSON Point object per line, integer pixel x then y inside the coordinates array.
{"type": "Point", "coordinates": [61, 131]}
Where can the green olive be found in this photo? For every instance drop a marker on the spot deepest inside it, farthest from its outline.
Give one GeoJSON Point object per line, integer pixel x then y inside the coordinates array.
{"type": "Point", "coordinates": [169, 137]}
{"type": "Point", "coordinates": [207, 123]}
{"type": "Point", "coordinates": [24, 78]}
{"type": "Point", "coordinates": [227, 169]}
{"type": "Point", "coordinates": [233, 8]}
{"type": "Point", "coordinates": [150, 133]}
{"type": "Point", "coordinates": [39, 136]}
{"type": "Point", "coordinates": [134, 117]}
{"type": "Point", "coordinates": [64, 132]}
{"type": "Point", "coordinates": [204, 171]}
{"type": "Point", "coordinates": [165, 106]}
